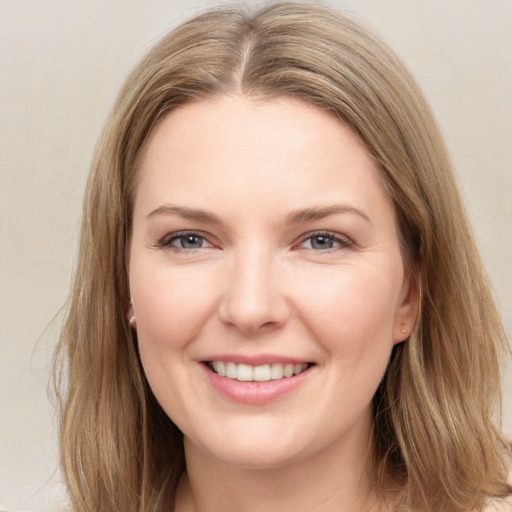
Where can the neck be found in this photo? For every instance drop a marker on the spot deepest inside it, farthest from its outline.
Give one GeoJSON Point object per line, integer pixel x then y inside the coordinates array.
{"type": "Point", "coordinates": [333, 480]}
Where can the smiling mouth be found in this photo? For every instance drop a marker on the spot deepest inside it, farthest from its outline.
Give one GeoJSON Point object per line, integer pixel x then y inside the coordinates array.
{"type": "Point", "coordinates": [260, 373]}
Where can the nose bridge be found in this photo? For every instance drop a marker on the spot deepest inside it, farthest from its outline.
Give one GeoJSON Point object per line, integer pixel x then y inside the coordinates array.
{"type": "Point", "coordinates": [253, 296]}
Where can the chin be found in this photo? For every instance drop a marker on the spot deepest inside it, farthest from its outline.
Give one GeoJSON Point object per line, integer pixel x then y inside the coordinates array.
{"type": "Point", "coordinates": [251, 452]}
{"type": "Point", "coordinates": [259, 458]}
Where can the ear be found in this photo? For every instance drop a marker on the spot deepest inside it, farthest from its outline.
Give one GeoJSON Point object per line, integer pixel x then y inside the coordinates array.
{"type": "Point", "coordinates": [131, 316]}
{"type": "Point", "coordinates": [408, 306]}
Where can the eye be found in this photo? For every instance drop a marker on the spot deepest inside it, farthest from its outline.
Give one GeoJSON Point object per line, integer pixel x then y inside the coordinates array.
{"type": "Point", "coordinates": [185, 241]}
{"type": "Point", "coordinates": [324, 242]}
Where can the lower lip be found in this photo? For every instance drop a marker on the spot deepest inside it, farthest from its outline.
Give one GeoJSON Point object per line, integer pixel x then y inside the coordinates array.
{"type": "Point", "coordinates": [255, 393]}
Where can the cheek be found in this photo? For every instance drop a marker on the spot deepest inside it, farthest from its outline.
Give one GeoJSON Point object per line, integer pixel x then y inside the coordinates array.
{"type": "Point", "coordinates": [171, 306]}
{"type": "Point", "coordinates": [351, 319]}
{"type": "Point", "coordinates": [353, 310]}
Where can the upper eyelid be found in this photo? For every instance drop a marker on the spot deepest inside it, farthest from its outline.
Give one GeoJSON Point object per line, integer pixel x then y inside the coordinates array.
{"type": "Point", "coordinates": [331, 234]}
{"type": "Point", "coordinates": [169, 237]}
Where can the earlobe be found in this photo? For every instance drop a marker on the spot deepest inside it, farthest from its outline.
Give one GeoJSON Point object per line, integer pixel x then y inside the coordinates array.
{"type": "Point", "coordinates": [408, 307]}
{"type": "Point", "coordinates": [131, 316]}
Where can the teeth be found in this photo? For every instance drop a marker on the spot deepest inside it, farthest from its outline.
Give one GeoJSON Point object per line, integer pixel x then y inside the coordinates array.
{"type": "Point", "coordinates": [276, 371]}
{"type": "Point", "coordinates": [288, 370]}
{"type": "Point", "coordinates": [244, 373]}
{"type": "Point", "coordinates": [262, 373]}
{"type": "Point", "coordinates": [231, 372]}
{"type": "Point", "coordinates": [220, 368]}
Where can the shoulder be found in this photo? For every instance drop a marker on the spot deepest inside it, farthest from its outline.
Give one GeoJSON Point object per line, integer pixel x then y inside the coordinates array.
{"type": "Point", "coordinates": [500, 505]}
{"type": "Point", "coordinates": [504, 505]}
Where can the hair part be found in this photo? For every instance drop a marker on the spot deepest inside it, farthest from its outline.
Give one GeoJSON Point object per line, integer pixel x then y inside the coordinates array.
{"type": "Point", "coordinates": [436, 433]}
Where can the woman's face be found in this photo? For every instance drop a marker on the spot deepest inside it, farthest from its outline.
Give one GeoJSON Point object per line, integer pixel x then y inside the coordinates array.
{"type": "Point", "coordinates": [266, 279]}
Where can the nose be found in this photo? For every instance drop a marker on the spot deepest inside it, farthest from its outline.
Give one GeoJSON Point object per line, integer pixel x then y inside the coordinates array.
{"type": "Point", "coordinates": [253, 300]}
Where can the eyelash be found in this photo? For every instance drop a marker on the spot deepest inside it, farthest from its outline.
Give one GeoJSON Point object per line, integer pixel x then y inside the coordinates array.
{"type": "Point", "coordinates": [343, 242]}
{"type": "Point", "coordinates": [167, 241]}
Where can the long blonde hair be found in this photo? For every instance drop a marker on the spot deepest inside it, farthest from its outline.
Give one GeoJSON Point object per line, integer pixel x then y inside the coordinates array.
{"type": "Point", "coordinates": [436, 436]}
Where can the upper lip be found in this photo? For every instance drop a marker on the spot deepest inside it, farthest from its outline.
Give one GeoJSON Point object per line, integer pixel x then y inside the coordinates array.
{"type": "Point", "coordinates": [255, 360]}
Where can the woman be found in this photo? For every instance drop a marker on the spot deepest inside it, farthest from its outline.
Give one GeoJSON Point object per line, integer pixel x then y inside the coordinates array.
{"type": "Point", "coordinates": [278, 301]}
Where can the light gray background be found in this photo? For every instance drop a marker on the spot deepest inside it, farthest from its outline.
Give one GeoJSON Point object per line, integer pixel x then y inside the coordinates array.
{"type": "Point", "coordinates": [61, 64]}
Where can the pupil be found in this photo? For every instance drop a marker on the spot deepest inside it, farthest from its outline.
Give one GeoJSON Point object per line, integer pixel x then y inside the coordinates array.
{"type": "Point", "coordinates": [191, 242]}
{"type": "Point", "coordinates": [321, 242]}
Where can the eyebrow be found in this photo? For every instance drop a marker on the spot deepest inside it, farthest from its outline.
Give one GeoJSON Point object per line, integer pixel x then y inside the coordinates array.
{"type": "Point", "coordinates": [320, 212]}
{"type": "Point", "coordinates": [186, 213]}
{"type": "Point", "coordinates": [295, 217]}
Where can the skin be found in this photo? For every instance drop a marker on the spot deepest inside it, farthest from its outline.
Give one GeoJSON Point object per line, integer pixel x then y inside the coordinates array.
{"type": "Point", "coordinates": [258, 280]}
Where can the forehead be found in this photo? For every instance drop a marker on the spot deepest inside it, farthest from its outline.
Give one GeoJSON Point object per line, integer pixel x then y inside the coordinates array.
{"type": "Point", "coordinates": [254, 152]}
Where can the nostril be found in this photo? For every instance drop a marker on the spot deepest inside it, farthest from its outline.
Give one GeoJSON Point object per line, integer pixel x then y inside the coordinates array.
{"type": "Point", "coordinates": [252, 301]}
